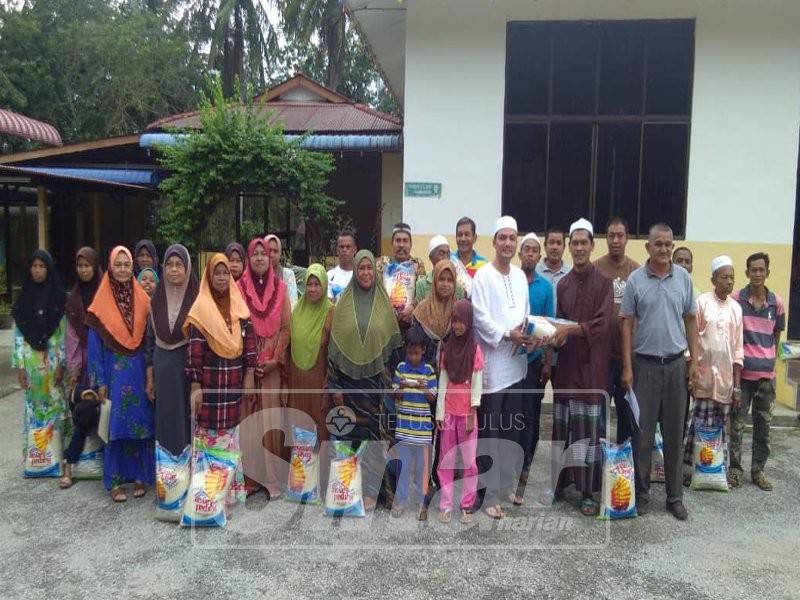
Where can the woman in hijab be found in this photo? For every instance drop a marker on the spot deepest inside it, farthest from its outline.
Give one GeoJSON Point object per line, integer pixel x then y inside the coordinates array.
{"type": "Point", "coordinates": [435, 312]}
{"type": "Point", "coordinates": [39, 326]}
{"type": "Point", "coordinates": [266, 300]}
{"type": "Point", "coordinates": [364, 340]}
{"type": "Point", "coordinates": [165, 350]}
{"type": "Point", "coordinates": [234, 252]}
{"type": "Point", "coordinates": [310, 331]}
{"type": "Point", "coordinates": [221, 361]}
{"type": "Point", "coordinates": [149, 280]}
{"type": "Point", "coordinates": [146, 256]}
{"type": "Point", "coordinates": [275, 250]}
{"type": "Point", "coordinates": [117, 320]}
{"type": "Point", "coordinates": [88, 274]}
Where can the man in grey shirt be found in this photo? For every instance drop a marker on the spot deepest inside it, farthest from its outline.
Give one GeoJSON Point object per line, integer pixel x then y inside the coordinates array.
{"type": "Point", "coordinates": [659, 304]}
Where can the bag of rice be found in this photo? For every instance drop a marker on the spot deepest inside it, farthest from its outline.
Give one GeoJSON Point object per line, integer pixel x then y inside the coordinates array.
{"type": "Point", "coordinates": [400, 280]}
{"type": "Point", "coordinates": [657, 458]}
{"type": "Point", "coordinates": [344, 498]}
{"type": "Point", "coordinates": [90, 462]}
{"type": "Point", "coordinates": [212, 476]}
{"type": "Point", "coordinates": [619, 493]}
{"type": "Point", "coordinates": [43, 450]}
{"type": "Point", "coordinates": [172, 482]}
{"type": "Point", "coordinates": [708, 459]}
{"type": "Point", "coordinates": [303, 468]}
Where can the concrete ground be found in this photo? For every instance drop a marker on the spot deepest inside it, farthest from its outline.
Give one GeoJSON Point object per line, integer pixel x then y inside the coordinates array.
{"type": "Point", "coordinates": [77, 544]}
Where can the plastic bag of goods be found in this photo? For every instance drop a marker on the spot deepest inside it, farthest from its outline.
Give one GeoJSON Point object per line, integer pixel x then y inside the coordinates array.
{"type": "Point", "coordinates": [708, 460]}
{"type": "Point", "coordinates": [657, 458]}
{"type": "Point", "coordinates": [400, 280]}
{"type": "Point", "coordinates": [212, 476]}
{"type": "Point", "coordinates": [303, 468]}
{"type": "Point", "coordinates": [344, 497]}
{"type": "Point", "coordinates": [90, 462]}
{"type": "Point", "coordinates": [43, 450]}
{"type": "Point", "coordinates": [618, 499]}
{"type": "Point", "coordinates": [172, 482]}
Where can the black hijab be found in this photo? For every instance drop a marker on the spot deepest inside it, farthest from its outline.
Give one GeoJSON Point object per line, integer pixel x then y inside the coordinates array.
{"type": "Point", "coordinates": [82, 293]}
{"type": "Point", "coordinates": [40, 306]}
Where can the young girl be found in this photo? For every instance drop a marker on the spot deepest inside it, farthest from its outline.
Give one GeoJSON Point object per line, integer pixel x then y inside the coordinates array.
{"type": "Point", "coordinates": [460, 387]}
{"type": "Point", "coordinates": [148, 279]}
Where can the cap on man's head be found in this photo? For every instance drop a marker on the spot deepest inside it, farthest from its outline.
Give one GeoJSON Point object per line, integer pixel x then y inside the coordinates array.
{"type": "Point", "coordinates": [436, 241]}
{"type": "Point", "coordinates": [581, 224]}
{"type": "Point", "coordinates": [719, 262]}
{"type": "Point", "coordinates": [530, 237]}
{"type": "Point", "coordinates": [505, 222]}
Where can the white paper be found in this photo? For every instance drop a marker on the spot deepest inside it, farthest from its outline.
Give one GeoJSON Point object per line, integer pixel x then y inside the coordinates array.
{"type": "Point", "coordinates": [630, 396]}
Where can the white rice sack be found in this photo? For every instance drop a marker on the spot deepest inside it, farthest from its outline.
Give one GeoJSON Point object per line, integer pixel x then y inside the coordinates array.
{"type": "Point", "coordinates": [43, 450]}
{"type": "Point", "coordinates": [90, 462]}
{"type": "Point", "coordinates": [400, 280]}
{"type": "Point", "coordinates": [172, 482]}
{"type": "Point", "coordinates": [344, 497]}
{"type": "Point", "coordinates": [618, 496]}
{"type": "Point", "coordinates": [212, 477]}
{"type": "Point", "coordinates": [657, 458]}
{"type": "Point", "coordinates": [708, 459]}
{"type": "Point", "coordinates": [303, 485]}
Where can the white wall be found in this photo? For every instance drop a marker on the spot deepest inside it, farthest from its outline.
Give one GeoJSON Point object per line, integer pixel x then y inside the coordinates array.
{"type": "Point", "coordinates": [391, 192]}
{"type": "Point", "coordinates": [746, 108]}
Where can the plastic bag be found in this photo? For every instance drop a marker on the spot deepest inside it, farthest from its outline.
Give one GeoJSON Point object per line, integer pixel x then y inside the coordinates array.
{"type": "Point", "coordinates": [400, 280]}
{"type": "Point", "coordinates": [344, 497]}
{"type": "Point", "coordinates": [618, 498]}
{"type": "Point", "coordinates": [43, 450]}
{"type": "Point", "coordinates": [212, 476]}
{"type": "Point", "coordinates": [657, 458]}
{"type": "Point", "coordinates": [90, 462]}
{"type": "Point", "coordinates": [303, 468]}
{"type": "Point", "coordinates": [708, 460]}
{"type": "Point", "coordinates": [172, 482]}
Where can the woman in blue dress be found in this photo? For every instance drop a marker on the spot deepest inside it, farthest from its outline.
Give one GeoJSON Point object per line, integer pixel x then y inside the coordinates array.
{"type": "Point", "coordinates": [117, 320]}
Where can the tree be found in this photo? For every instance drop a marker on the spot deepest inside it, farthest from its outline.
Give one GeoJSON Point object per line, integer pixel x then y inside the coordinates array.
{"type": "Point", "coordinates": [303, 19]}
{"type": "Point", "coordinates": [237, 151]}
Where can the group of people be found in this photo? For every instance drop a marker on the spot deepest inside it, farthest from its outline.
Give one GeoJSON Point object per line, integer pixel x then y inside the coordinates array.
{"type": "Point", "coordinates": [447, 368]}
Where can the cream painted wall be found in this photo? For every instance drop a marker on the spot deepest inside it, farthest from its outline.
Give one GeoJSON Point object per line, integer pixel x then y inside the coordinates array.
{"type": "Point", "coordinates": [391, 192]}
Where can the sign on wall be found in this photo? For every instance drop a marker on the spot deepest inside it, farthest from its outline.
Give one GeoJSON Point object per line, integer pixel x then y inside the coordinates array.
{"type": "Point", "coordinates": [420, 189]}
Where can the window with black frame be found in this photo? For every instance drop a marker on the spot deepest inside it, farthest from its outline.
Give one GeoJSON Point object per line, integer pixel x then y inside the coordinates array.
{"type": "Point", "coordinates": [597, 118]}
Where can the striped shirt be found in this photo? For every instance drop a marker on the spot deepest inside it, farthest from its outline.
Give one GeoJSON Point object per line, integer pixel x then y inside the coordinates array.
{"type": "Point", "coordinates": [414, 422]}
{"type": "Point", "coordinates": [762, 328]}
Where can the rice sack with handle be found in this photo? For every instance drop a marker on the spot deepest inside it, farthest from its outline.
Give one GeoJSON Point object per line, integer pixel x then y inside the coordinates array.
{"type": "Point", "coordinates": [344, 496]}
{"type": "Point", "coordinates": [618, 496]}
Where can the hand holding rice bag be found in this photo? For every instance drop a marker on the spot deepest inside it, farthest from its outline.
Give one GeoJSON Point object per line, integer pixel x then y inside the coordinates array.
{"type": "Point", "coordinates": [303, 468]}
{"type": "Point", "coordinates": [344, 497]}
{"type": "Point", "coordinates": [708, 460]}
{"type": "Point", "coordinates": [43, 451]}
{"type": "Point", "coordinates": [618, 499]}
{"type": "Point", "coordinates": [212, 477]}
{"type": "Point", "coordinates": [172, 482]}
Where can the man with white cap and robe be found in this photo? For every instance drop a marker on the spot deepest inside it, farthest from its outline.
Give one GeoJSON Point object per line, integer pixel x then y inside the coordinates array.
{"type": "Point", "coordinates": [540, 293]}
{"type": "Point", "coordinates": [438, 249]}
{"type": "Point", "coordinates": [720, 330]}
{"type": "Point", "coordinates": [501, 305]}
{"type": "Point", "coordinates": [585, 296]}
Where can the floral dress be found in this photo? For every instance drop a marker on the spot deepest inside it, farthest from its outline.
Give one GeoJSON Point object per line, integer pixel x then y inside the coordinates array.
{"type": "Point", "coordinates": [129, 454]}
{"type": "Point", "coordinates": [44, 399]}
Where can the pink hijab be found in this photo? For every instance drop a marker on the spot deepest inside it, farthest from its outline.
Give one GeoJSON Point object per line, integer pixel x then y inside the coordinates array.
{"type": "Point", "coordinates": [265, 311]}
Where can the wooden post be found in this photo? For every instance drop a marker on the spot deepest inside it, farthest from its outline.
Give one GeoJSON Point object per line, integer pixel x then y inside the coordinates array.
{"type": "Point", "coordinates": [41, 215]}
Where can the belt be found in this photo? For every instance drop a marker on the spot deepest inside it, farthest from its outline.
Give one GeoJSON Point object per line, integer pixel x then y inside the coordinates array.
{"type": "Point", "coordinates": [662, 360]}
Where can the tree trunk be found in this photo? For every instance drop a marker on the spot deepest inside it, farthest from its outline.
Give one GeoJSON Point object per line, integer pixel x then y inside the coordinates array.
{"type": "Point", "coordinates": [333, 33]}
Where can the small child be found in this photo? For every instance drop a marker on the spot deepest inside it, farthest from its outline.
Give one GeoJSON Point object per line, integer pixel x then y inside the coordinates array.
{"type": "Point", "coordinates": [414, 383]}
{"type": "Point", "coordinates": [460, 387]}
{"type": "Point", "coordinates": [84, 404]}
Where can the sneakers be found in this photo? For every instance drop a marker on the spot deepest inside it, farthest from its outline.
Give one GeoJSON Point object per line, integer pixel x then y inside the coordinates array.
{"type": "Point", "coordinates": [761, 480]}
{"type": "Point", "coordinates": [678, 510]}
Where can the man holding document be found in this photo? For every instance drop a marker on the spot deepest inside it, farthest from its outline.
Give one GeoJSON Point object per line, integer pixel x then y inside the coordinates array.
{"type": "Point", "coordinates": [658, 302]}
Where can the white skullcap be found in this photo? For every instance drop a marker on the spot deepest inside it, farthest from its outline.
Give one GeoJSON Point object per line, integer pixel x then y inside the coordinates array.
{"type": "Point", "coordinates": [531, 237]}
{"type": "Point", "coordinates": [581, 224]}
{"type": "Point", "coordinates": [436, 241]}
{"type": "Point", "coordinates": [719, 262]}
{"type": "Point", "coordinates": [505, 222]}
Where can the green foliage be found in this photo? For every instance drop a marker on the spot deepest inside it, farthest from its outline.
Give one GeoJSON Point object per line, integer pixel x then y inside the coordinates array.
{"type": "Point", "coordinates": [238, 151]}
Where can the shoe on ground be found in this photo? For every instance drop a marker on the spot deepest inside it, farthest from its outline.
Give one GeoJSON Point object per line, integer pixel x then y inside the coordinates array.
{"type": "Point", "coordinates": [761, 480]}
{"type": "Point", "coordinates": [642, 506]}
{"type": "Point", "coordinates": [678, 510]}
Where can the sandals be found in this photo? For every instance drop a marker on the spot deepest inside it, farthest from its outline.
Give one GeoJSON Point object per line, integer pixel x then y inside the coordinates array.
{"type": "Point", "coordinates": [139, 490]}
{"type": "Point", "coordinates": [466, 517]}
{"type": "Point", "coordinates": [589, 507]}
{"type": "Point", "coordinates": [423, 513]}
{"type": "Point", "coordinates": [397, 512]}
{"type": "Point", "coordinates": [445, 517]}
{"type": "Point", "coordinates": [118, 495]}
{"type": "Point", "coordinates": [369, 503]}
{"type": "Point", "coordinates": [516, 499]}
{"type": "Point", "coordinates": [734, 478]}
{"type": "Point", "coordinates": [495, 512]}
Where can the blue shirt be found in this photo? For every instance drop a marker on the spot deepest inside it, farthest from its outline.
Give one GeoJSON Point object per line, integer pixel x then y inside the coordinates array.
{"type": "Point", "coordinates": [540, 291]}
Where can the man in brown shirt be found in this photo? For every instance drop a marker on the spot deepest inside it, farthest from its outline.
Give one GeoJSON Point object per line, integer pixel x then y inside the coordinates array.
{"type": "Point", "coordinates": [617, 266]}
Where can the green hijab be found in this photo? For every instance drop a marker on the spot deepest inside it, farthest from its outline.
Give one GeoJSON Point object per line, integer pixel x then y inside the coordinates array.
{"type": "Point", "coordinates": [308, 321]}
{"type": "Point", "coordinates": [365, 331]}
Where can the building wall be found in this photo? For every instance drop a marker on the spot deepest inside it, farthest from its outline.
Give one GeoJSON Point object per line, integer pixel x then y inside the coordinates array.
{"type": "Point", "coordinates": [391, 192]}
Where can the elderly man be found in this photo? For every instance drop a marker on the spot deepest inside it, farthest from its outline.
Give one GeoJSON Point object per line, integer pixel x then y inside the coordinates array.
{"type": "Point", "coordinates": [438, 249]}
{"type": "Point", "coordinates": [618, 266]}
{"type": "Point", "coordinates": [719, 328]}
{"type": "Point", "coordinates": [658, 304]}
{"type": "Point", "coordinates": [399, 274]}
{"type": "Point", "coordinates": [466, 236]}
{"type": "Point", "coordinates": [501, 304]}
{"type": "Point", "coordinates": [585, 296]}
